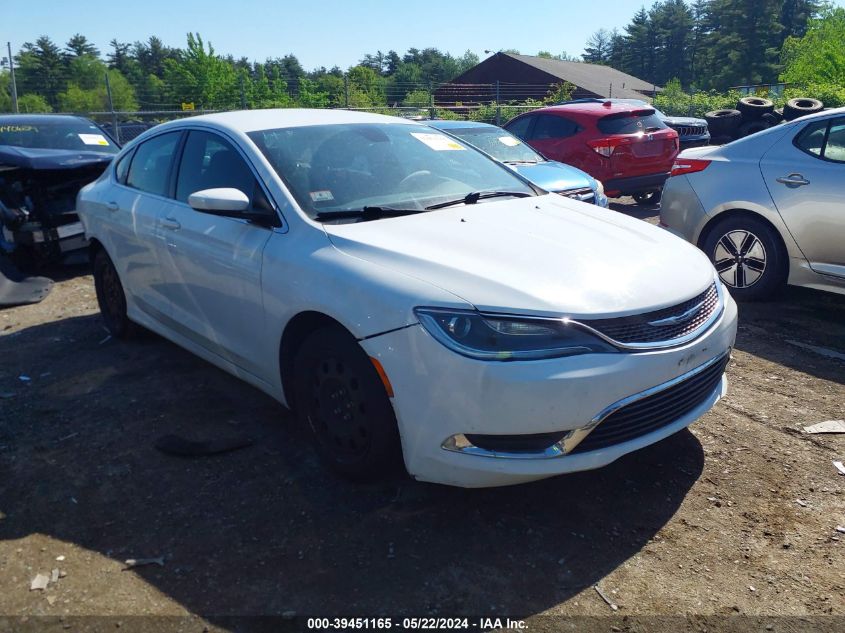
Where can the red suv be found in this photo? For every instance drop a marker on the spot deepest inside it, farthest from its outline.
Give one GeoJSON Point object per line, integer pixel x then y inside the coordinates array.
{"type": "Point", "coordinates": [627, 147]}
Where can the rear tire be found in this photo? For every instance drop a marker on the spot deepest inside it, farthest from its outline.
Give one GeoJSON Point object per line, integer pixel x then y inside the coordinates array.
{"type": "Point", "coordinates": [111, 298]}
{"type": "Point", "coordinates": [343, 405]}
{"type": "Point", "coordinates": [749, 256]}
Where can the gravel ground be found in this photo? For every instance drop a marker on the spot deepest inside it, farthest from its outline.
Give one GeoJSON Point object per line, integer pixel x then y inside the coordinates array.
{"type": "Point", "coordinates": [736, 517]}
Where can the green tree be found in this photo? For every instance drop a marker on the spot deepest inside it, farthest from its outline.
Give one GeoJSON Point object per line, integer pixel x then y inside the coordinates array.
{"type": "Point", "coordinates": [78, 45]}
{"type": "Point", "coordinates": [202, 77]}
{"type": "Point", "coordinates": [597, 50]}
{"type": "Point", "coordinates": [41, 69]}
{"type": "Point", "coordinates": [5, 91]}
{"type": "Point", "coordinates": [818, 56]}
{"type": "Point", "coordinates": [559, 92]}
{"type": "Point", "coordinates": [743, 43]}
{"type": "Point", "coordinates": [33, 104]}
{"type": "Point", "coordinates": [368, 83]}
{"type": "Point", "coordinates": [636, 53]}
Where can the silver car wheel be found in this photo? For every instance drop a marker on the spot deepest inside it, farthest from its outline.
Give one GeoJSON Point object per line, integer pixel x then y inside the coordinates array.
{"type": "Point", "coordinates": [739, 258]}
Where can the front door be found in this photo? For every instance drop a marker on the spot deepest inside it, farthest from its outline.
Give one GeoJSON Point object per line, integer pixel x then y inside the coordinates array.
{"type": "Point", "coordinates": [212, 264]}
{"type": "Point", "coordinates": [805, 174]}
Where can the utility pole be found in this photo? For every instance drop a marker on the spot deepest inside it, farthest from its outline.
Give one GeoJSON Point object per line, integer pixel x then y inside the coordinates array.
{"type": "Point", "coordinates": [14, 85]}
{"type": "Point", "coordinates": [498, 105]}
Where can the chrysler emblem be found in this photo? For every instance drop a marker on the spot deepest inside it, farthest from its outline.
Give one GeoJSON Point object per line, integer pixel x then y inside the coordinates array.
{"type": "Point", "coordinates": [678, 318]}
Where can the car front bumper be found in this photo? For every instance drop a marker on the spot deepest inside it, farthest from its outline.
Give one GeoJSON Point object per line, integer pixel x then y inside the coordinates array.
{"type": "Point", "coordinates": [440, 395]}
{"type": "Point", "coordinates": [700, 140]}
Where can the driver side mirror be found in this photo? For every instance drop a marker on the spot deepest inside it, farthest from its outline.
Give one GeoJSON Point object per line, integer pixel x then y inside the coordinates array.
{"type": "Point", "coordinates": [222, 201]}
{"type": "Point", "coordinates": [233, 203]}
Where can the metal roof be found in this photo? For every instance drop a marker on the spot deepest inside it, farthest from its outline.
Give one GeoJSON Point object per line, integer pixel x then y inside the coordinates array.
{"type": "Point", "coordinates": [604, 81]}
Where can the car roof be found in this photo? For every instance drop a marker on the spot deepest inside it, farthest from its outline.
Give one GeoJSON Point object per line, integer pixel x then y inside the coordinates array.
{"type": "Point", "coordinates": [29, 119]}
{"type": "Point", "coordinates": [596, 108]}
{"type": "Point", "coordinates": [447, 124]}
{"type": "Point", "coordinates": [252, 120]}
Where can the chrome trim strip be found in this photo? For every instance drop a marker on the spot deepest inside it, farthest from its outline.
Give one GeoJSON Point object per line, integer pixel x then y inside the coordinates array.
{"type": "Point", "coordinates": [459, 443]}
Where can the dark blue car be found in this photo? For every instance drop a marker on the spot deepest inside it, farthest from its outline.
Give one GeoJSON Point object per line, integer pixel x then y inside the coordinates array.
{"type": "Point", "coordinates": [505, 147]}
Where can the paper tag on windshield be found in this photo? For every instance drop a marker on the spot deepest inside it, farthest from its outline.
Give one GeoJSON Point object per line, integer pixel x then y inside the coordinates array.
{"type": "Point", "coordinates": [437, 142]}
{"type": "Point", "coordinates": [509, 141]}
{"type": "Point", "coordinates": [93, 139]}
{"type": "Point", "coordinates": [321, 196]}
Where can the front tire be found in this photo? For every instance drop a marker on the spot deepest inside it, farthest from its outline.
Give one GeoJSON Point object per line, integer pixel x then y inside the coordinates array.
{"type": "Point", "coordinates": [749, 256]}
{"type": "Point", "coordinates": [343, 404]}
{"type": "Point", "coordinates": [111, 297]}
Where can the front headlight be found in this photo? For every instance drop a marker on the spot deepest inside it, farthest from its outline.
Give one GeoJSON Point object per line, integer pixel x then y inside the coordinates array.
{"type": "Point", "coordinates": [508, 338]}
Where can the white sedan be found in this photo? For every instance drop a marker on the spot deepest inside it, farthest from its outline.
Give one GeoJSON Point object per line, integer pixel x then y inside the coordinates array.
{"type": "Point", "coordinates": [407, 296]}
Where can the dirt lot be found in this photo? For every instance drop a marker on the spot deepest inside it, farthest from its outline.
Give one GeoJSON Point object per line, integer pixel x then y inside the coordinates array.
{"type": "Point", "coordinates": [736, 516]}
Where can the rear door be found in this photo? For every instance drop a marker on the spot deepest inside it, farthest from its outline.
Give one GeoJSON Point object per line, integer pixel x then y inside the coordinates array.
{"type": "Point", "coordinates": [134, 207]}
{"type": "Point", "coordinates": [643, 143]}
{"type": "Point", "coordinates": [550, 136]}
{"type": "Point", "coordinates": [805, 174]}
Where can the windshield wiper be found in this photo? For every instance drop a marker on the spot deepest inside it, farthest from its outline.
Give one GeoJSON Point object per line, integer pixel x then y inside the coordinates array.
{"type": "Point", "coordinates": [367, 213]}
{"type": "Point", "coordinates": [521, 162]}
{"type": "Point", "coordinates": [475, 196]}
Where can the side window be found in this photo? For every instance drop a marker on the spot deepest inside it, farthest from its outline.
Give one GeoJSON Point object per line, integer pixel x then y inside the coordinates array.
{"type": "Point", "coordinates": [150, 168]}
{"type": "Point", "coordinates": [520, 127]}
{"type": "Point", "coordinates": [549, 126]}
{"type": "Point", "coordinates": [122, 167]}
{"type": "Point", "coordinates": [834, 149]}
{"type": "Point", "coordinates": [210, 162]}
{"type": "Point", "coordinates": [811, 138]}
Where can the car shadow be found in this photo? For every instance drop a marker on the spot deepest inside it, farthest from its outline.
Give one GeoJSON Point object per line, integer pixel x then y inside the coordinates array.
{"type": "Point", "coordinates": [648, 212]}
{"type": "Point", "coordinates": [267, 529]}
{"type": "Point", "coordinates": [785, 329]}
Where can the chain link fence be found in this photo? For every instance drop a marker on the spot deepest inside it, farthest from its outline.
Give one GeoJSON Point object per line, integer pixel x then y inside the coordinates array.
{"type": "Point", "coordinates": [127, 107]}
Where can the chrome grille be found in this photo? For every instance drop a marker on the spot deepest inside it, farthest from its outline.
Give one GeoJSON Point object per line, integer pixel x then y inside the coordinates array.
{"type": "Point", "coordinates": [689, 130]}
{"type": "Point", "coordinates": [584, 194]}
{"type": "Point", "coordinates": [655, 411]}
{"type": "Point", "coordinates": [660, 326]}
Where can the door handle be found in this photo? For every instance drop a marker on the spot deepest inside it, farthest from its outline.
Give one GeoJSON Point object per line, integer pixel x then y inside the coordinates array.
{"type": "Point", "coordinates": [112, 206]}
{"type": "Point", "coordinates": [170, 223]}
{"type": "Point", "coordinates": [793, 180]}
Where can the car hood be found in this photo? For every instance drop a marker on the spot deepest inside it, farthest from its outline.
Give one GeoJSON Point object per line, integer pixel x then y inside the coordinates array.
{"type": "Point", "coordinates": [554, 176]}
{"type": "Point", "coordinates": [31, 158]}
{"type": "Point", "coordinates": [546, 255]}
{"type": "Point", "coordinates": [684, 120]}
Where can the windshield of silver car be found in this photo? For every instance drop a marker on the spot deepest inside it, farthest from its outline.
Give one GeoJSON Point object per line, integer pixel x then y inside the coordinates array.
{"type": "Point", "coordinates": [342, 169]}
{"type": "Point", "coordinates": [501, 145]}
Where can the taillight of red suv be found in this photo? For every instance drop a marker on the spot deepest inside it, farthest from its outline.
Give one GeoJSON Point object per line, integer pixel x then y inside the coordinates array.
{"type": "Point", "coordinates": [607, 145]}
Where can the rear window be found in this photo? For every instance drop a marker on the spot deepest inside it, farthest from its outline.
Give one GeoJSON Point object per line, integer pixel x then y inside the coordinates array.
{"type": "Point", "coordinates": [631, 122]}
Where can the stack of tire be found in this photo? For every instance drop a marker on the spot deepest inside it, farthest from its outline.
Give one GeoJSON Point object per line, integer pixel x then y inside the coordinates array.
{"type": "Point", "coordinates": [754, 114]}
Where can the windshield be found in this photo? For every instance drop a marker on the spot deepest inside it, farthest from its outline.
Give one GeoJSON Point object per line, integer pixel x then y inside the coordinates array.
{"type": "Point", "coordinates": [63, 134]}
{"type": "Point", "coordinates": [347, 167]}
{"type": "Point", "coordinates": [500, 144]}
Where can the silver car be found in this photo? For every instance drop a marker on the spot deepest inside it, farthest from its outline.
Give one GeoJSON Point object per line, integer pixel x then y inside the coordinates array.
{"type": "Point", "coordinates": [768, 209]}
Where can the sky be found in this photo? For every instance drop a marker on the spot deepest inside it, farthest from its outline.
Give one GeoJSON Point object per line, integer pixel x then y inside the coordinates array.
{"type": "Point", "coordinates": [323, 32]}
